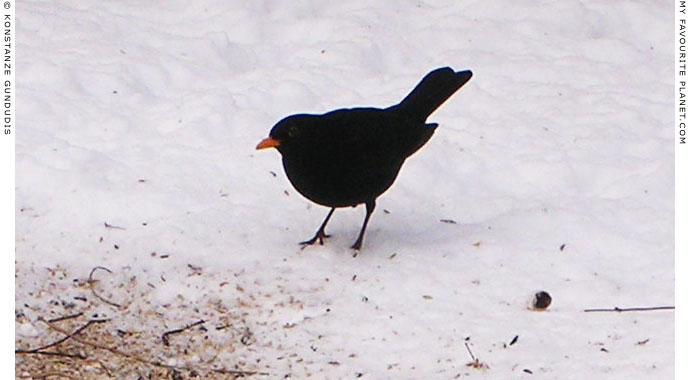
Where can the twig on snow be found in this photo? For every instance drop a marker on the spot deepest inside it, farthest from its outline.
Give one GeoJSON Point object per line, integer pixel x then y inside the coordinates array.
{"type": "Point", "coordinates": [52, 353]}
{"type": "Point", "coordinates": [113, 227]}
{"type": "Point", "coordinates": [166, 340]}
{"type": "Point", "coordinates": [618, 309]}
{"type": "Point", "coordinates": [154, 363]}
{"type": "Point", "coordinates": [475, 363]}
{"type": "Point", "coordinates": [470, 351]}
{"type": "Point", "coordinates": [93, 290]}
{"type": "Point", "coordinates": [42, 350]}
{"type": "Point", "coordinates": [58, 319]}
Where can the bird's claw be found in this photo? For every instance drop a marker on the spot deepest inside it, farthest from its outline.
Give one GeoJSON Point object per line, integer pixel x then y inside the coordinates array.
{"type": "Point", "coordinates": [319, 236]}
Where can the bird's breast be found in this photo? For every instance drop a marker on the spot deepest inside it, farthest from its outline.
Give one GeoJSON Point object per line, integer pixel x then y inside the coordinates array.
{"type": "Point", "coordinates": [334, 182]}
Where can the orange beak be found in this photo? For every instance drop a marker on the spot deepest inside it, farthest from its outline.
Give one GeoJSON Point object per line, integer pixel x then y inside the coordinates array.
{"type": "Point", "coordinates": [268, 142]}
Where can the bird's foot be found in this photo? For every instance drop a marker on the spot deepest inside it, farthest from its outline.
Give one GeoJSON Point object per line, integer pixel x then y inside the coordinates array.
{"type": "Point", "coordinates": [357, 246]}
{"type": "Point", "coordinates": [319, 236]}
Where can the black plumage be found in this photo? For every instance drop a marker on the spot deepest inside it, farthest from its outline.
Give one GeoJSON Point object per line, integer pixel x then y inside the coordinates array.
{"type": "Point", "coordinates": [351, 156]}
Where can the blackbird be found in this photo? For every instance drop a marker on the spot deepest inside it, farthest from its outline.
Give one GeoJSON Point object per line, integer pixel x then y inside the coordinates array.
{"type": "Point", "coordinates": [351, 156]}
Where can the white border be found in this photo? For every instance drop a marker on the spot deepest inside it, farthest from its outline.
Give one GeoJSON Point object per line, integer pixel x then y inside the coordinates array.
{"type": "Point", "coordinates": [681, 187]}
{"type": "Point", "coordinates": [7, 172]}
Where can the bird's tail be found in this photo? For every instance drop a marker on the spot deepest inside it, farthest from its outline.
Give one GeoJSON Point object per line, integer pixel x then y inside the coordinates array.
{"type": "Point", "coordinates": [434, 89]}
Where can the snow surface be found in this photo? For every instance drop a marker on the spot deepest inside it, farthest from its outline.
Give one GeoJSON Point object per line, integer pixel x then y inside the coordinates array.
{"type": "Point", "coordinates": [554, 162]}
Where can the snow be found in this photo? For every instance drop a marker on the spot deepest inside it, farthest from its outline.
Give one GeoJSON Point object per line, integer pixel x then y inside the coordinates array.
{"type": "Point", "coordinates": [135, 152]}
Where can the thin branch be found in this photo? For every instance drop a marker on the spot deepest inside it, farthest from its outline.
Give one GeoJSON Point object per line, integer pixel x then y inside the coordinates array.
{"type": "Point", "coordinates": [166, 340]}
{"type": "Point", "coordinates": [41, 350]}
{"type": "Point", "coordinates": [113, 227]}
{"type": "Point", "coordinates": [53, 353]}
{"type": "Point", "coordinates": [470, 351]}
{"type": "Point", "coordinates": [475, 363]}
{"type": "Point", "coordinates": [86, 342]}
{"type": "Point", "coordinates": [150, 362]}
{"type": "Point", "coordinates": [58, 319]}
{"type": "Point", "coordinates": [618, 309]}
{"type": "Point", "coordinates": [93, 289]}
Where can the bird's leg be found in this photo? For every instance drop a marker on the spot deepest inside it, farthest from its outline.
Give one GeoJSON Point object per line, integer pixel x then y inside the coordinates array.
{"type": "Point", "coordinates": [371, 204]}
{"type": "Point", "coordinates": [321, 233]}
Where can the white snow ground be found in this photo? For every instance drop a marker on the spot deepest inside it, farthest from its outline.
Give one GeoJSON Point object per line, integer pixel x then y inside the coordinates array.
{"type": "Point", "coordinates": [145, 116]}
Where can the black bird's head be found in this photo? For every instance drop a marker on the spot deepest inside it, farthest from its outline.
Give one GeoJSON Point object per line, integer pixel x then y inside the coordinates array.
{"type": "Point", "coordinates": [289, 132]}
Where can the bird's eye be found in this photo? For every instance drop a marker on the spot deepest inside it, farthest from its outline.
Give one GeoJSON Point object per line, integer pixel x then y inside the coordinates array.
{"type": "Point", "coordinates": [292, 131]}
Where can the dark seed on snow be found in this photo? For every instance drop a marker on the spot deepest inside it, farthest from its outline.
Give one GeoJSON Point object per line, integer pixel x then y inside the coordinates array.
{"type": "Point", "coordinates": [542, 300]}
